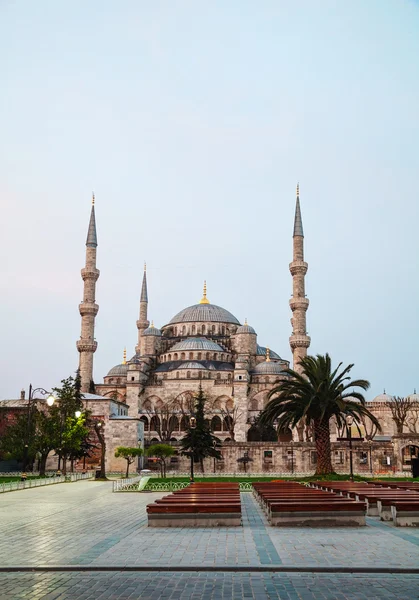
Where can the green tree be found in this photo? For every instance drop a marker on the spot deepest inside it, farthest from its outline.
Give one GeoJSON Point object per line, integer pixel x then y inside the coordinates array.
{"type": "Point", "coordinates": [199, 442]}
{"type": "Point", "coordinates": [72, 430]}
{"type": "Point", "coordinates": [316, 395]}
{"type": "Point", "coordinates": [129, 454]}
{"type": "Point", "coordinates": [161, 451]}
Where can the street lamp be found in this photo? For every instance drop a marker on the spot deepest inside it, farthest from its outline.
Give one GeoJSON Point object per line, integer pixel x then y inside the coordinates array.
{"type": "Point", "coordinates": [349, 422]}
{"type": "Point", "coordinates": [192, 426]}
{"type": "Point", "coordinates": [31, 401]}
{"type": "Point", "coordinates": [214, 444]}
{"type": "Point", "coordinates": [370, 445]}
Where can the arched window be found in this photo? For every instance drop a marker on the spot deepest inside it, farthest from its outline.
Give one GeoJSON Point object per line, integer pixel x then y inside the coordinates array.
{"type": "Point", "coordinates": [182, 356]}
{"type": "Point", "coordinates": [110, 380]}
{"type": "Point", "coordinates": [188, 374]}
{"type": "Point", "coordinates": [173, 423]}
{"type": "Point", "coordinates": [170, 357]}
{"type": "Point", "coordinates": [175, 330]}
{"type": "Point", "coordinates": [175, 356]}
{"type": "Point", "coordinates": [200, 374]}
{"type": "Point", "coordinates": [184, 423]}
{"type": "Point", "coordinates": [218, 375]}
{"type": "Point", "coordinates": [207, 423]}
{"type": "Point", "coordinates": [203, 329]}
{"type": "Point", "coordinates": [254, 405]}
{"type": "Point", "coordinates": [216, 423]}
{"type": "Point", "coordinates": [213, 329]}
{"type": "Point", "coordinates": [177, 374]}
{"type": "Point", "coordinates": [222, 357]}
{"type": "Point", "coordinates": [229, 377]}
{"type": "Point", "coordinates": [190, 355]}
{"type": "Point", "coordinates": [214, 356]}
{"type": "Point", "coordinates": [207, 356]}
{"type": "Point", "coordinates": [199, 355]}
{"type": "Point", "coordinates": [193, 329]}
{"type": "Point", "coordinates": [155, 424]}
{"type": "Point", "coordinates": [223, 330]}
{"type": "Point", "coordinates": [145, 421]}
{"type": "Point", "coordinates": [184, 330]}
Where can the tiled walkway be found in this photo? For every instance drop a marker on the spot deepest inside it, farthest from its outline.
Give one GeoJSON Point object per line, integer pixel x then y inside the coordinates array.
{"type": "Point", "coordinates": [84, 524]}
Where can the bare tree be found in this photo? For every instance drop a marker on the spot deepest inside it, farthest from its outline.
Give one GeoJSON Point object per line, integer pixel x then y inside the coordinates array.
{"type": "Point", "coordinates": [163, 419]}
{"type": "Point", "coordinates": [400, 408]}
{"type": "Point", "coordinates": [412, 420]}
{"type": "Point", "coordinates": [370, 428]}
{"type": "Point", "coordinates": [231, 415]}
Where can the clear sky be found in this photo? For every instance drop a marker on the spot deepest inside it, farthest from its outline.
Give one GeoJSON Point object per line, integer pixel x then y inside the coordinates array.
{"type": "Point", "coordinates": [193, 121]}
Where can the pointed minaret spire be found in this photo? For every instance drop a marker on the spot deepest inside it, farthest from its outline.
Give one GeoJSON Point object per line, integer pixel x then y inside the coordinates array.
{"type": "Point", "coordinates": [124, 359]}
{"type": "Point", "coordinates": [143, 322]}
{"type": "Point", "coordinates": [299, 340]}
{"type": "Point", "coordinates": [91, 240]}
{"type": "Point", "coordinates": [88, 308]}
{"type": "Point", "coordinates": [298, 222]}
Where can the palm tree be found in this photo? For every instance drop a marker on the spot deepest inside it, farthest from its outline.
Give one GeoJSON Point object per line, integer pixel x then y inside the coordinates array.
{"type": "Point", "coordinates": [315, 396]}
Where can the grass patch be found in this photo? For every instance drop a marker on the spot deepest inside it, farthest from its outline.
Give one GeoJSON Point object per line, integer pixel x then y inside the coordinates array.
{"type": "Point", "coordinates": [17, 478]}
{"type": "Point", "coordinates": [333, 477]}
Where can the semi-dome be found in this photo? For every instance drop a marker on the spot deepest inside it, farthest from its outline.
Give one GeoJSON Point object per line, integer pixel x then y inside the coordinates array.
{"type": "Point", "coordinates": [118, 370]}
{"type": "Point", "coordinates": [196, 343]}
{"type": "Point", "coordinates": [261, 351]}
{"type": "Point", "coordinates": [203, 313]}
{"type": "Point", "coordinates": [191, 365]}
{"type": "Point", "coordinates": [268, 367]}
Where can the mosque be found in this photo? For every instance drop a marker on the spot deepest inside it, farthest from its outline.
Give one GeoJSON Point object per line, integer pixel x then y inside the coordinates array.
{"type": "Point", "coordinates": [206, 345]}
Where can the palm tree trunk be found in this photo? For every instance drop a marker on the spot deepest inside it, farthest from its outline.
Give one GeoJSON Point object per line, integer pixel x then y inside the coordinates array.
{"type": "Point", "coordinates": [323, 449]}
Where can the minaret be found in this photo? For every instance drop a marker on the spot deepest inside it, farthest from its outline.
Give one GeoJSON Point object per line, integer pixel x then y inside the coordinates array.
{"type": "Point", "coordinates": [299, 340]}
{"type": "Point", "coordinates": [142, 322]}
{"type": "Point", "coordinates": [88, 308]}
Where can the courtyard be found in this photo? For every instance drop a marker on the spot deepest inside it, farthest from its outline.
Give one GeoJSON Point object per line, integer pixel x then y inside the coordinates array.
{"type": "Point", "coordinates": [86, 542]}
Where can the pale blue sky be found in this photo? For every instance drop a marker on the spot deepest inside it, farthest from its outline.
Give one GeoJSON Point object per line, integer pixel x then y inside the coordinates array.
{"type": "Point", "coordinates": [192, 121]}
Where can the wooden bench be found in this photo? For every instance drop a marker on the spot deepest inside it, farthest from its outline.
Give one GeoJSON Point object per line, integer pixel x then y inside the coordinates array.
{"type": "Point", "coordinates": [405, 513]}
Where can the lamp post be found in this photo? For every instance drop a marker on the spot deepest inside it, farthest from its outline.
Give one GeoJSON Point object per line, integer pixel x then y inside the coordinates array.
{"type": "Point", "coordinates": [31, 401]}
{"type": "Point", "coordinates": [214, 446]}
{"type": "Point", "coordinates": [292, 457]}
{"type": "Point", "coordinates": [192, 427]}
{"type": "Point", "coordinates": [349, 422]}
{"type": "Point", "coordinates": [370, 445]}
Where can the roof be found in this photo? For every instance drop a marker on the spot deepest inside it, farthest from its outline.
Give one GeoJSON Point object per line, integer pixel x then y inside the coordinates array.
{"type": "Point", "coordinates": [204, 312]}
{"type": "Point", "coordinates": [209, 365]}
{"type": "Point", "coordinates": [268, 367]}
{"type": "Point", "coordinates": [152, 331]}
{"type": "Point", "coordinates": [261, 351]}
{"type": "Point", "coordinates": [197, 343]}
{"type": "Point", "coordinates": [118, 370]}
{"type": "Point", "coordinates": [298, 222]}
{"type": "Point", "coordinates": [144, 295]}
{"type": "Point", "coordinates": [245, 329]}
{"type": "Point", "coordinates": [14, 403]}
{"type": "Point", "coordinates": [192, 365]}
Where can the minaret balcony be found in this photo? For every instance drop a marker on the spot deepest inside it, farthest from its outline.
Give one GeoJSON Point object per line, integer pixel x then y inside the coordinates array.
{"type": "Point", "coordinates": [299, 340]}
{"type": "Point", "coordinates": [86, 346]}
{"type": "Point", "coordinates": [91, 273]}
{"type": "Point", "coordinates": [299, 303]}
{"type": "Point", "coordinates": [298, 267]}
{"type": "Point", "coordinates": [143, 324]}
{"type": "Point", "coordinates": [88, 308]}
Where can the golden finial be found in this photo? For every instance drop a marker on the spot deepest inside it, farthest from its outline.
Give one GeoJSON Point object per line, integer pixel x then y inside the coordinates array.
{"type": "Point", "coordinates": [152, 324]}
{"type": "Point", "coordinates": [268, 355]}
{"type": "Point", "coordinates": [124, 360]}
{"type": "Point", "coordinates": [93, 198]}
{"type": "Point", "coordinates": [245, 321]}
{"type": "Point", "coordinates": [298, 190]}
{"type": "Point", "coordinates": [145, 266]}
{"type": "Point", "coordinates": [204, 299]}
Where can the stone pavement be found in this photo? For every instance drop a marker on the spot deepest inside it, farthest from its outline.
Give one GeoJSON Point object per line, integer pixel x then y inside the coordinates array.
{"type": "Point", "coordinates": [85, 525]}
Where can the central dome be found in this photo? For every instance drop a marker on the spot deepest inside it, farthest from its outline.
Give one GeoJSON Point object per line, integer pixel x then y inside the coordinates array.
{"type": "Point", "coordinates": [202, 313]}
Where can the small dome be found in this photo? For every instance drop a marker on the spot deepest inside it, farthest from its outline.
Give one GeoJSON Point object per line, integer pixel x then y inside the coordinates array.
{"type": "Point", "coordinates": [152, 330]}
{"type": "Point", "coordinates": [268, 367]}
{"type": "Point", "coordinates": [261, 351]}
{"type": "Point", "coordinates": [118, 370]}
{"type": "Point", "coordinates": [383, 397]}
{"type": "Point", "coordinates": [245, 329]}
{"type": "Point", "coordinates": [414, 397]}
{"type": "Point", "coordinates": [196, 343]}
{"type": "Point", "coordinates": [191, 365]}
{"type": "Point", "coordinates": [204, 313]}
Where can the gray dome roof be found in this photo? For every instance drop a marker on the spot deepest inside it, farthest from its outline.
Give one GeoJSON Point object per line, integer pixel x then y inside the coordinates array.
{"type": "Point", "coordinates": [268, 368]}
{"type": "Point", "coordinates": [197, 343]}
{"type": "Point", "coordinates": [204, 312]}
{"type": "Point", "coordinates": [245, 329]}
{"type": "Point", "coordinates": [191, 365]}
{"type": "Point", "coordinates": [261, 351]}
{"type": "Point", "coordinates": [118, 370]}
{"type": "Point", "coordinates": [152, 331]}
